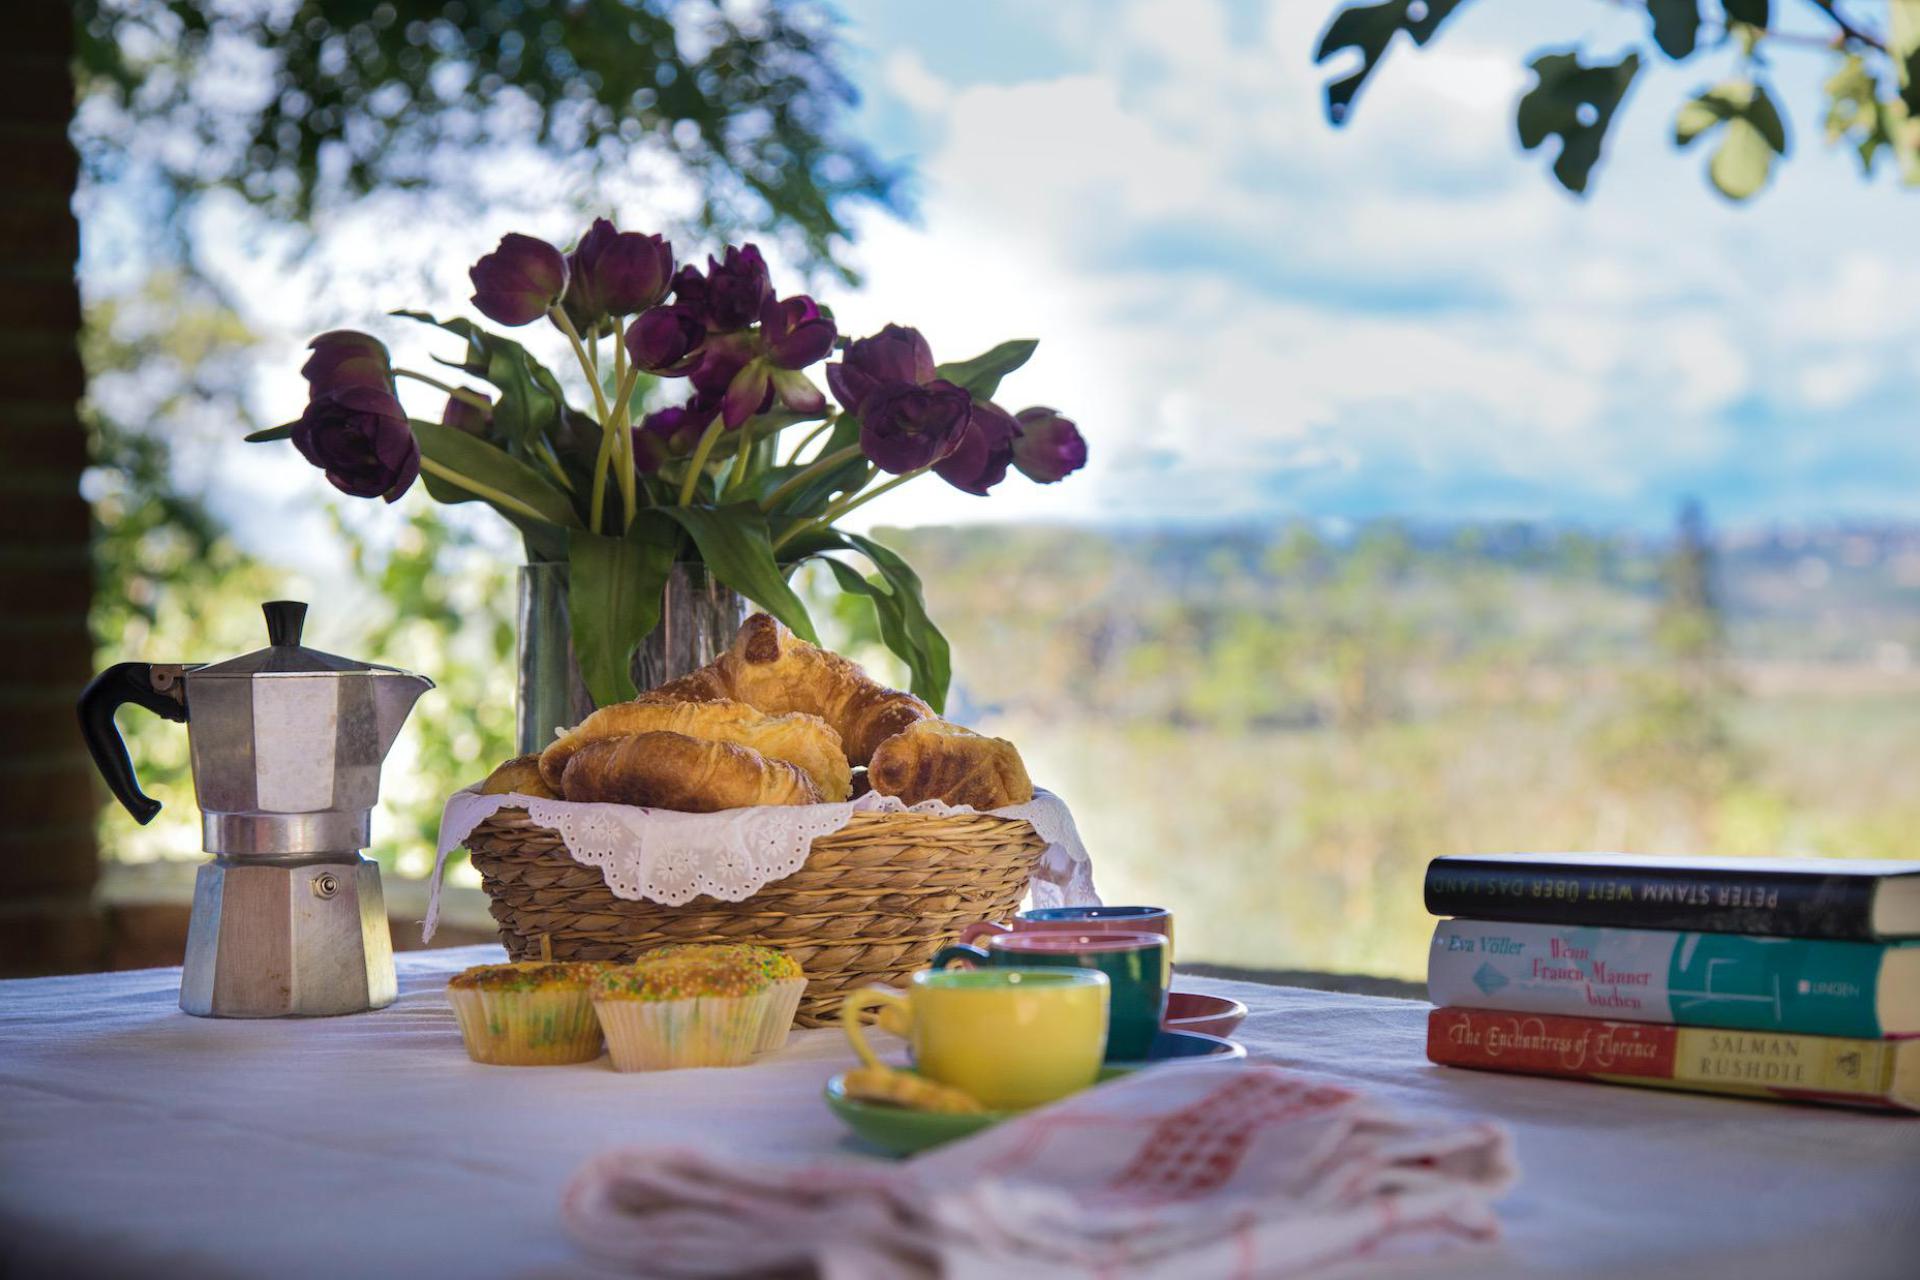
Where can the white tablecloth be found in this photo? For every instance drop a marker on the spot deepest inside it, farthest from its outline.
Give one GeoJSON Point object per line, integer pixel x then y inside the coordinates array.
{"type": "Point", "coordinates": [135, 1140]}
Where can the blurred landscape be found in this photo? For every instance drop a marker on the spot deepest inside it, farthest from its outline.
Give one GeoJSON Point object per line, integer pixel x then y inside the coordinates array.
{"type": "Point", "coordinates": [1271, 730]}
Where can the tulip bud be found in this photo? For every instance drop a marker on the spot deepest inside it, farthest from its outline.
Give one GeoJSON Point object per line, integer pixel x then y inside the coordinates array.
{"type": "Point", "coordinates": [679, 428]}
{"type": "Point", "coordinates": [980, 460]}
{"type": "Point", "coordinates": [904, 427]}
{"type": "Point", "coordinates": [895, 354]}
{"type": "Point", "coordinates": [666, 340]}
{"type": "Point", "coordinates": [616, 273]}
{"type": "Point", "coordinates": [346, 358]}
{"type": "Point", "coordinates": [360, 437]}
{"type": "Point", "coordinates": [520, 281]}
{"type": "Point", "coordinates": [736, 289]}
{"type": "Point", "coordinates": [795, 332]}
{"type": "Point", "coordinates": [462, 415]}
{"type": "Point", "coordinates": [1049, 447]}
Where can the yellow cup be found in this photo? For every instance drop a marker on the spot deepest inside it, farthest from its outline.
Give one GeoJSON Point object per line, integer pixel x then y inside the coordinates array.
{"type": "Point", "coordinates": [1011, 1038]}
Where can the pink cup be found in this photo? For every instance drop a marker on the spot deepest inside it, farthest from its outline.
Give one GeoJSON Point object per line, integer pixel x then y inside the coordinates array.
{"type": "Point", "coordinates": [1080, 920]}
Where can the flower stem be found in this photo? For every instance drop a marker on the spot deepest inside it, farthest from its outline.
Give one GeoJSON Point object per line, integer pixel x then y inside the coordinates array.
{"type": "Point", "coordinates": [844, 506]}
{"type": "Point", "coordinates": [505, 501]}
{"type": "Point", "coordinates": [462, 394]}
{"type": "Point", "coordinates": [808, 439]}
{"type": "Point", "coordinates": [698, 463]}
{"type": "Point", "coordinates": [814, 471]}
{"type": "Point", "coordinates": [623, 393]}
{"type": "Point", "coordinates": [602, 461]}
{"type": "Point", "coordinates": [740, 461]}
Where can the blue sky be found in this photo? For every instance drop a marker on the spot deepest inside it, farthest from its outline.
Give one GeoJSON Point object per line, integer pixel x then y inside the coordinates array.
{"type": "Point", "coordinates": [1253, 314]}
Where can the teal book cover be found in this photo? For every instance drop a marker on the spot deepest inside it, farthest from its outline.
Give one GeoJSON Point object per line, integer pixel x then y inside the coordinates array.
{"type": "Point", "coordinates": [1727, 980]}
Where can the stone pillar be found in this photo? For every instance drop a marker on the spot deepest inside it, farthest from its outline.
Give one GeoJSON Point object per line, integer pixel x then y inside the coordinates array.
{"type": "Point", "coordinates": [48, 863]}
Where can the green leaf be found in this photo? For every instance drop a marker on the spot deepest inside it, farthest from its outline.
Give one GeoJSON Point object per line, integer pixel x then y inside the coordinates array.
{"type": "Point", "coordinates": [1370, 28]}
{"type": "Point", "coordinates": [491, 467]}
{"type": "Point", "coordinates": [922, 647]}
{"type": "Point", "coordinates": [1742, 161]}
{"type": "Point", "coordinates": [613, 601]}
{"type": "Point", "coordinates": [1755, 13]}
{"type": "Point", "coordinates": [1752, 134]}
{"type": "Point", "coordinates": [280, 432]}
{"type": "Point", "coordinates": [811, 498]}
{"type": "Point", "coordinates": [1575, 102]}
{"type": "Point", "coordinates": [1676, 26]}
{"type": "Point", "coordinates": [530, 399]}
{"type": "Point", "coordinates": [736, 548]}
{"type": "Point", "coordinates": [981, 375]}
{"type": "Point", "coordinates": [1903, 48]}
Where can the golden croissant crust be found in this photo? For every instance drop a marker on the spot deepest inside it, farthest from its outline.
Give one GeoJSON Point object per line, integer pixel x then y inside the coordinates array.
{"type": "Point", "coordinates": [521, 776]}
{"type": "Point", "coordinates": [770, 668]}
{"type": "Point", "coordinates": [805, 741]}
{"type": "Point", "coordinates": [938, 760]}
{"type": "Point", "coordinates": [673, 771]}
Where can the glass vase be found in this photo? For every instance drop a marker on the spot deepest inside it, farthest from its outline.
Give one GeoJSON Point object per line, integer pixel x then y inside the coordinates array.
{"type": "Point", "coordinates": [698, 619]}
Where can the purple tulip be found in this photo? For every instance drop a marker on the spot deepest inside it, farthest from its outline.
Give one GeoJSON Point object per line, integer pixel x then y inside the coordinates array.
{"type": "Point", "coordinates": [667, 340]}
{"type": "Point", "coordinates": [736, 289]}
{"type": "Point", "coordinates": [904, 427]}
{"type": "Point", "coordinates": [797, 392]}
{"type": "Point", "coordinates": [346, 358]}
{"type": "Point", "coordinates": [471, 418]}
{"type": "Point", "coordinates": [1049, 447]}
{"type": "Point", "coordinates": [359, 436]}
{"type": "Point", "coordinates": [520, 281]}
{"type": "Point", "coordinates": [616, 273]}
{"type": "Point", "coordinates": [980, 460]}
{"type": "Point", "coordinates": [677, 429]}
{"type": "Point", "coordinates": [795, 331]}
{"type": "Point", "coordinates": [690, 291]}
{"type": "Point", "coordinates": [895, 354]}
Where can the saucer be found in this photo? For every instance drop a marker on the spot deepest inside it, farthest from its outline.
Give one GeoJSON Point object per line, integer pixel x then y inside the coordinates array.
{"type": "Point", "coordinates": [903, 1131]}
{"type": "Point", "coordinates": [1192, 1011]}
{"type": "Point", "coordinates": [1185, 1046]}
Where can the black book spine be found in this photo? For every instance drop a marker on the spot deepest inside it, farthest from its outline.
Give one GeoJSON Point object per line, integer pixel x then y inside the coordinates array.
{"type": "Point", "coordinates": [1775, 904]}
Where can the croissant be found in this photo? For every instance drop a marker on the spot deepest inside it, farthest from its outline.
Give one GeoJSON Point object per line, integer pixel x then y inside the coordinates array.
{"type": "Point", "coordinates": [938, 760]}
{"type": "Point", "coordinates": [674, 771]}
{"type": "Point", "coordinates": [521, 776]}
{"type": "Point", "coordinates": [770, 668]}
{"type": "Point", "coordinates": [802, 740]}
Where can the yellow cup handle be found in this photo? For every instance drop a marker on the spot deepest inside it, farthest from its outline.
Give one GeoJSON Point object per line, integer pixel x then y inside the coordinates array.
{"type": "Point", "coordinates": [857, 1003]}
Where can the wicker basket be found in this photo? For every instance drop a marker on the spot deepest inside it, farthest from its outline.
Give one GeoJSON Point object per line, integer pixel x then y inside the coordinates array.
{"type": "Point", "coordinates": [873, 903]}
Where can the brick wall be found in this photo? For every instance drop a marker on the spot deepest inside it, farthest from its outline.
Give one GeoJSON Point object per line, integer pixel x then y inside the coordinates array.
{"type": "Point", "coordinates": [48, 864]}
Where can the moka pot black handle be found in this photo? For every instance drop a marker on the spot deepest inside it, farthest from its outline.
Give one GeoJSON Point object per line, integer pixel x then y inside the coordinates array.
{"type": "Point", "coordinates": [154, 686]}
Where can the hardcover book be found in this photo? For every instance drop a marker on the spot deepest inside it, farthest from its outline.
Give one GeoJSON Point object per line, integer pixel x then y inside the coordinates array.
{"type": "Point", "coordinates": [1861, 989]}
{"type": "Point", "coordinates": [1861, 1073]}
{"type": "Point", "coordinates": [1780, 897]}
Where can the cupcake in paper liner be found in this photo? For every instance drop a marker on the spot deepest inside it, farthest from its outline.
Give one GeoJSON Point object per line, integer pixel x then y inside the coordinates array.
{"type": "Point", "coordinates": [691, 1010]}
{"type": "Point", "coordinates": [527, 1015]}
{"type": "Point", "coordinates": [782, 972]}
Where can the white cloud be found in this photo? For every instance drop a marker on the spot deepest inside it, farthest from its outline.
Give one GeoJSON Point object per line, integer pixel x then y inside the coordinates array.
{"type": "Point", "coordinates": [1217, 275]}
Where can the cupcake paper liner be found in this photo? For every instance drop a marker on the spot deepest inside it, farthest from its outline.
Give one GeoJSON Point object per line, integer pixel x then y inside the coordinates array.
{"type": "Point", "coordinates": [704, 1031]}
{"type": "Point", "coordinates": [526, 1028]}
{"type": "Point", "coordinates": [783, 1002]}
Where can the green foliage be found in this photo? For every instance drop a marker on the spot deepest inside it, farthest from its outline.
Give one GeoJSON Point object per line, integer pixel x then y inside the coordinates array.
{"type": "Point", "coordinates": [353, 96]}
{"type": "Point", "coordinates": [900, 614]}
{"type": "Point", "coordinates": [530, 399]}
{"type": "Point", "coordinates": [736, 548]}
{"type": "Point", "coordinates": [1370, 28]}
{"type": "Point", "coordinates": [1575, 99]}
{"type": "Point", "coordinates": [981, 375]}
{"type": "Point", "coordinates": [1751, 134]}
{"type": "Point", "coordinates": [613, 601]}
{"type": "Point", "coordinates": [1575, 102]}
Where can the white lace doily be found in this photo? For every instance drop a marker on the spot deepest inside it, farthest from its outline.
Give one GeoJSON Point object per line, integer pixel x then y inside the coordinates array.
{"type": "Point", "coordinates": [671, 858]}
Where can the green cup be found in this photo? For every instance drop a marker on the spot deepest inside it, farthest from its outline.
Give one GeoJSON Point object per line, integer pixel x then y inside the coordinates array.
{"type": "Point", "coordinates": [1135, 965]}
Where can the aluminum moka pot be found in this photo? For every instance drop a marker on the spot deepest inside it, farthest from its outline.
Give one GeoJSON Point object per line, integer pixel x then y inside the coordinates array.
{"type": "Point", "coordinates": [287, 742]}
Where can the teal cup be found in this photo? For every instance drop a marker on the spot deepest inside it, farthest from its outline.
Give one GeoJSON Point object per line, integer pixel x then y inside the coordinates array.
{"type": "Point", "coordinates": [1135, 964]}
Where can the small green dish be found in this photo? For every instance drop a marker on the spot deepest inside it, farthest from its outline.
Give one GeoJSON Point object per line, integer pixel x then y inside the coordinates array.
{"type": "Point", "coordinates": [903, 1131]}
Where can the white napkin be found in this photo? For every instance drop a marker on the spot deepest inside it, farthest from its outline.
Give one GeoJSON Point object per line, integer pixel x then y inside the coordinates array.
{"type": "Point", "coordinates": [1168, 1174]}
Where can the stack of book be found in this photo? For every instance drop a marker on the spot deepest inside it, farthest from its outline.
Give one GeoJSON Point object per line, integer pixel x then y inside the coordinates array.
{"type": "Point", "coordinates": [1779, 978]}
